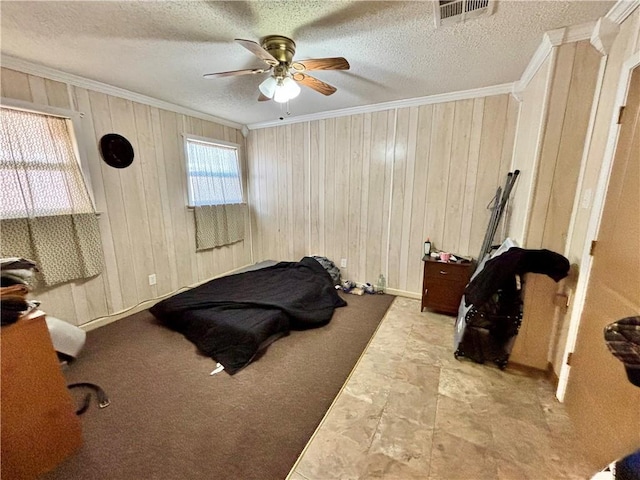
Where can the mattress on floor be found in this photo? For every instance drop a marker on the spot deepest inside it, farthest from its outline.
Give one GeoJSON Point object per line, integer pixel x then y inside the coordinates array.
{"type": "Point", "coordinates": [232, 318]}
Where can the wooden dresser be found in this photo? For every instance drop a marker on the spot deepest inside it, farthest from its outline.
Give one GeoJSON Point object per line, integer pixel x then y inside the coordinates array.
{"type": "Point", "coordinates": [443, 284]}
{"type": "Point", "coordinates": [39, 427]}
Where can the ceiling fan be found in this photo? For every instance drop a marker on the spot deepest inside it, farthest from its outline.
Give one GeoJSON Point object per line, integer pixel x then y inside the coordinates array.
{"type": "Point", "coordinates": [285, 74]}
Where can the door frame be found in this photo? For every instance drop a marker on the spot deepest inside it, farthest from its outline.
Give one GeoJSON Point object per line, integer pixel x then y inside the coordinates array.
{"type": "Point", "coordinates": [595, 219]}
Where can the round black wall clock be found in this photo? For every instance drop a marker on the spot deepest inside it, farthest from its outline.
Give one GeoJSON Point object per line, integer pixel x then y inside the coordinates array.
{"type": "Point", "coordinates": [116, 150]}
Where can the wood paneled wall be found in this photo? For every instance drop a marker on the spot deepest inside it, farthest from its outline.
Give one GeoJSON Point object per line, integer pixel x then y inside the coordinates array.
{"type": "Point", "coordinates": [370, 188]}
{"type": "Point", "coordinates": [530, 127]}
{"type": "Point", "coordinates": [572, 93]}
{"type": "Point", "coordinates": [145, 225]}
{"type": "Point", "coordinates": [562, 144]}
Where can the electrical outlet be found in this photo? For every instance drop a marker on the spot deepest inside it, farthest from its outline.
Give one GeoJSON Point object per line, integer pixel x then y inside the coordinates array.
{"type": "Point", "coordinates": [152, 279]}
{"type": "Point", "coordinates": [343, 263]}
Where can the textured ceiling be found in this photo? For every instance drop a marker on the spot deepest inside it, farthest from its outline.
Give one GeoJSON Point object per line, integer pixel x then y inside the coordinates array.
{"type": "Point", "coordinates": [162, 49]}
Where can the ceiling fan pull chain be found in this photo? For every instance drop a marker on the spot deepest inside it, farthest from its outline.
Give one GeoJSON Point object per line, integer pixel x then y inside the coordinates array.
{"type": "Point", "coordinates": [284, 110]}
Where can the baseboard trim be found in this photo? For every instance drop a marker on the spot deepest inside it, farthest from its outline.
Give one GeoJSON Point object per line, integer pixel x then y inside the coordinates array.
{"type": "Point", "coordinates": [396, 292]}
{"type": "Point", "coordinates": [403, 293]}
{"type": "Point", "coordinates": [527, 370]}
{"type": "Point", "coordinates": [535, 372]}
{"type": "Point", "coordinates": [552, 376]}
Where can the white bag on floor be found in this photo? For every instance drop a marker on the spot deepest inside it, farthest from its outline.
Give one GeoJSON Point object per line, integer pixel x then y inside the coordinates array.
{"type": "Point", "coordinates": [66, 338]}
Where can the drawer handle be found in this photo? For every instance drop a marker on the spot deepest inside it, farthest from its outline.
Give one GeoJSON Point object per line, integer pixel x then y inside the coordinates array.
{"type": "Point", "coordinates": [442, 272]}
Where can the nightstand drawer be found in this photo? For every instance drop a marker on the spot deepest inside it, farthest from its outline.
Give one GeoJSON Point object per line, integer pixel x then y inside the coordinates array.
{"type": "Point", "coordinates": [447, 271]}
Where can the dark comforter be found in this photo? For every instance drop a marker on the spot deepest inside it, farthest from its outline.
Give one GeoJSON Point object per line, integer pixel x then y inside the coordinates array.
{"type": "Point", "coordinates": [232, 318]}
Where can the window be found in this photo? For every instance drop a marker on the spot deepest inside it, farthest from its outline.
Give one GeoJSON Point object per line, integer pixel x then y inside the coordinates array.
{"type": "Point", "coordinates": [46, 212]}
{"type": "Point", "coordinates": [215, 192]}
{"type": "Point", "coordinates": [39, 170]}
{"type": "Point", "coordinates": [213, 173]}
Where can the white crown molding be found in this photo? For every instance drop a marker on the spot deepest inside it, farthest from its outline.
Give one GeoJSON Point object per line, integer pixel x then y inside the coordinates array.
{"type": "Point", "coordinates": [517, 94]}
{"type": "Point", "coordinates": [577, 33]}
{"type": "Point", "coordinates": [604, 34]}
{"type": "Point", "coordinates": [621, 10]}
{"type": "Point", "coordinates": [25, 66]}
{"type": "Point", "coordinates": [551, 39]}
{"type": "Point", "coordinates": [377, 107]}
{"type": "Point", "coordinates": [538, 58]}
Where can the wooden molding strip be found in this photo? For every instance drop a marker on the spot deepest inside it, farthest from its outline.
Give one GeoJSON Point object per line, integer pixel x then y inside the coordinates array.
{"type": "Point", "coordinates": [25, 66]}
{"type": "Point", "coordinates": [617, 14]}
{"type": "Point", "coordinates": [621, 10]}
{"type": "Point", "coordinates": [551, 39]}
{"type": "Point", "coordinates": [604, 34]}
{"type": "Point", "coordinates": [377, 107]}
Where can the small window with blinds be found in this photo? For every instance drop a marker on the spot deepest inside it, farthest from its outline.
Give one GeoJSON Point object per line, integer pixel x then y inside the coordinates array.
{"type": "Point", "coordinates": [40, 174]}
{"type": "Point", "coordinates": [213, 172]}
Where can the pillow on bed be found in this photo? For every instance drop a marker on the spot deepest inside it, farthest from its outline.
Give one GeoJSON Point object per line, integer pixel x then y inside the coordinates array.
{"type": "Point", "coordinates": [330, 267]}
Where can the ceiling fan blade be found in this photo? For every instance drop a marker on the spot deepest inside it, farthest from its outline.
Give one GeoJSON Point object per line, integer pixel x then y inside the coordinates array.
{"type": "Point", "coordinates": [311, 82]}
{"type": "Point", "coordinates": [258, 51]}
{"type": "Point", "coordinates": [336, 63]}
{"type": "Point", "coordinates": [263, 98]}
{"type": "Point", "coordinates": [249, 71]}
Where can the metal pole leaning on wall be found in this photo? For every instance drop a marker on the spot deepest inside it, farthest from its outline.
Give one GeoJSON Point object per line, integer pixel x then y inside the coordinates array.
{"type": "Point", "coordinates": [497, 209]}
{"type": "Point", "coordinates": [492, 221]}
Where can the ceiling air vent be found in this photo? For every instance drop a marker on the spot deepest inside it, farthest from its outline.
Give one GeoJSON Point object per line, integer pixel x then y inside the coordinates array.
{"type": "Point", "coordinates": [456, 11]}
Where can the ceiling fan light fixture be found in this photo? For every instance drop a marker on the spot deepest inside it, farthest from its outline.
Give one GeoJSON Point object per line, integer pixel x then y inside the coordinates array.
{"type": "Point", "coordinates": [286, 89]}
{"type": "Point", "coordinates": [291, 86]}
{"type": "Point", "coordinates": [268, 87]}
{"type": "Point", "coordinates": [280, 96]}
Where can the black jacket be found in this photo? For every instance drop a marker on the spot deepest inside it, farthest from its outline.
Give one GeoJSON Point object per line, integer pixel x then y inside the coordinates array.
{"type": "Point", "coordinates": [499, 271]}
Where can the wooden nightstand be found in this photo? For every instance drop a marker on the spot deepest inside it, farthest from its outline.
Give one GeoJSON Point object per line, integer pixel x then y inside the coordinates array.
{"type": "Point", "coordinates": [443, 284]}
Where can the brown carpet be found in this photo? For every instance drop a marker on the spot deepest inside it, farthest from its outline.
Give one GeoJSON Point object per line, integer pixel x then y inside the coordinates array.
{"type": "Point", "coordinates": [169, 419]}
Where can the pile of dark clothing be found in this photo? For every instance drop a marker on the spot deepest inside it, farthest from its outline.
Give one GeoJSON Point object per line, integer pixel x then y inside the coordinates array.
{"type": "Point", "coordinates": [330, 267]}
{"type": "Point", "coordinates": [493, 302]}
{"type": "Point", "coordinates": [15, 276]}
{"type": "Point", "coordinates": [501, 271]}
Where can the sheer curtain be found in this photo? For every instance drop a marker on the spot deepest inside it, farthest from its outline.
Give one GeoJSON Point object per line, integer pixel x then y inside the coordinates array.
{"type": "Point", "coordinates": [215, 192]}
{"type": "Point", "coordinates": [46, 211]}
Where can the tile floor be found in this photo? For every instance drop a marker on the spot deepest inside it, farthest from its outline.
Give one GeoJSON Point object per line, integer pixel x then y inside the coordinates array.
{"type": "Point", "coordinates": [412, 411]}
